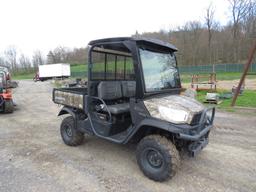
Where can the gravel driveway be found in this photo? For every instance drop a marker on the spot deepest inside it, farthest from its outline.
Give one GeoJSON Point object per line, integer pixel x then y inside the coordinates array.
{"type": "Point", "coordinates": [34, 158]}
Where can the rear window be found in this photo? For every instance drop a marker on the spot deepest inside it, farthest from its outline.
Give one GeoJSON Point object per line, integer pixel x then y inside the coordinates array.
{"type": "Point", "coordinates": [108, 66]}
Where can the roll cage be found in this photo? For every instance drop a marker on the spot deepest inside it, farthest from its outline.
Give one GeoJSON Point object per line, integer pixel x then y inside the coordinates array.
{"type": "Point", "coordinates": [126, 47]}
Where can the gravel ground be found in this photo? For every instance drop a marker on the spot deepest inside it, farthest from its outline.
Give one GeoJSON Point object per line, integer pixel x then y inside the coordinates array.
{"type": "Point", "coordinates": [34, 158]}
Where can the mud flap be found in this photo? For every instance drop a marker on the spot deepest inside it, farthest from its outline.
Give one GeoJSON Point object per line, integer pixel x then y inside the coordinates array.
{"type": "Point", "coordinates": [197, 146]}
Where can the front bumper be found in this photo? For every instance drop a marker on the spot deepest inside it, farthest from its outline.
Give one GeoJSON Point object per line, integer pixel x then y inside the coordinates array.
{"type": "Point", "coordinates": [197, 132]}
{"type": "Point", "coordinates": [196, 136]}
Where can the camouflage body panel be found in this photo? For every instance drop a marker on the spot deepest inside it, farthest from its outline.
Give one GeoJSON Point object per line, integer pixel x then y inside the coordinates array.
{"type": "Point", "coordinates": [179, 102]}
{"type": "Point", "coordinates": [69, 99]}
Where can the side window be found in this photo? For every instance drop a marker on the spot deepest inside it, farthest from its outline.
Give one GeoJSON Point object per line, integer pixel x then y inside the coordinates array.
{"type": "Point", "coordinates": [129, 70]}
{"type": "Point", "coordinates": [120, 67]}
{"type": "Point", "coordinates": [98, 67]}
{"type": "Point", "coordinates": [108, 66]}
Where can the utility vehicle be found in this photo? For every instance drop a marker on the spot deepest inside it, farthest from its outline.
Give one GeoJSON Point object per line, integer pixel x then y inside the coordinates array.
{"type": "Point", "coordinates": [6, 102]}
{"type": "Point", "coordinates": [133, 94]}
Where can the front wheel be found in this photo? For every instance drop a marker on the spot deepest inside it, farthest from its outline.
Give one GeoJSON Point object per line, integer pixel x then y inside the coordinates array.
{"type": "Point", "coordinates": [70, 135]}
{"type": "Point", "coordinates": [157, 157]}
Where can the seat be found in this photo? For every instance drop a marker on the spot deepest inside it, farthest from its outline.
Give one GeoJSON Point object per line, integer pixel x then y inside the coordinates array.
{"type": "Point", "coordinates": [119, 108]}
{"type": "Point", "coordinates": [128, 88]}
{"type": "Point", "coordinates": [111, 91]}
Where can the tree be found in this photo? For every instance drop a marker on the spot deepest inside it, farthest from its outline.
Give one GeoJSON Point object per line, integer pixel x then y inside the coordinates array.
{"type": "Point", "coordinates": [38, 59]}
{"type": "Point", "coordinates": [58, 55]}
{"type": "Point", "coordinates": [209, 21]}
{"type": "Point", "coordinates": [50, 58]}
{"type": "Point", "coordinates": [24, 62]}
{"type": "Point", "coordinates": [11, 57]}
{"type": "Point", "coordinates": [239, 10]}
{"type": "Point", "coordinates": [249, 24]}
{"type": "Point", "coordinates": [195, 29]}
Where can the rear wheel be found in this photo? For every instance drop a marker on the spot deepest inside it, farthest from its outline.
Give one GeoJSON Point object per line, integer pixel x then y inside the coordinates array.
{"type": "Point", "coordinates": [69, 134]}
{"type": "Point", "coordinates": [157, 157]}
{"type": "Point", "coordinates": [8, 106]}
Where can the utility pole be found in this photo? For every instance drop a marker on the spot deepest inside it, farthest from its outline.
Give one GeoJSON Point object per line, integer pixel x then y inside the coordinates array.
{"type": "Point", "coordinates": [247, 66]}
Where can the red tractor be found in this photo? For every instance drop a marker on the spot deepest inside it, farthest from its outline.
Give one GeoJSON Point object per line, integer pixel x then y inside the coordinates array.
{"type": "Point", "coordinates": [6, 102]}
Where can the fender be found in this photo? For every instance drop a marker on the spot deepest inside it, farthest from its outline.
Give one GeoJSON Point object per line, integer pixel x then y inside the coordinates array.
{"type": "Point", "coordinates": [67, 110]}
{"type": "Point", "coordinates": [152, 122]}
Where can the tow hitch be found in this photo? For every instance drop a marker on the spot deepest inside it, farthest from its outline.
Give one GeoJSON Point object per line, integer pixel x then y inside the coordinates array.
{"type": "Point", "coordinates": [195, 147]}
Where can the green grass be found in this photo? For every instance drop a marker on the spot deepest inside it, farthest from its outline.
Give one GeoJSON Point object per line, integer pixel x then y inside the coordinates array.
{"type": "Point", "coordinates": [79, 68]}
{"type": "Point", "coordinates": [23, 76]}
{"type": "Point", "coordinates": [247, 99]}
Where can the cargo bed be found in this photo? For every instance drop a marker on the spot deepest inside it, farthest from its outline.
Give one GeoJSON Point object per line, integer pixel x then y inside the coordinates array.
{"type": "Point", "coordinates": [72, 97]}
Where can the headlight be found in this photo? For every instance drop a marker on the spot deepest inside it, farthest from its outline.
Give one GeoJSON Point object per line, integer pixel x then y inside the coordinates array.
{"type": "Point", "coordinates": [209, 115]}
{"type": "Point", "coordinates": [173, 115]}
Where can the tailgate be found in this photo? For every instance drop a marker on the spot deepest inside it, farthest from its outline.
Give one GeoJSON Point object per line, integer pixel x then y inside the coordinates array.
{"type": "Point", "coordinates": [68, 98]}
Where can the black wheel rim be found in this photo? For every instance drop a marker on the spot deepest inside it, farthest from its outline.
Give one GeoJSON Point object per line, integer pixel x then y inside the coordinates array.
{"type": "Point", "coordinates": [68, 130]}
{"type": "Point", "coordinates": [153, 158]}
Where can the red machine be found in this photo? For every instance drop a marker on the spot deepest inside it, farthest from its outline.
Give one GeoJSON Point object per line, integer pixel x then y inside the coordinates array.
{"type": "Point", "coordinates": [6, 102]}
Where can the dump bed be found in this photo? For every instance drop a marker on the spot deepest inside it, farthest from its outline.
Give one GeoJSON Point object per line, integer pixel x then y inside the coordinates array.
{"type": "Point", "coordinates": [72, 97]}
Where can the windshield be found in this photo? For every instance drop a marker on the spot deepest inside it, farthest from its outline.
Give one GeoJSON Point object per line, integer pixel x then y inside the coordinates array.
{"type": "Point", "coordinates": [160, 70]}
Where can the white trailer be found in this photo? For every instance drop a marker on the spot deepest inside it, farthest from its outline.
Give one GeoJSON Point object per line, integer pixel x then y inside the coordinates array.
{"type": "Point", "coordinates": [54, 70]}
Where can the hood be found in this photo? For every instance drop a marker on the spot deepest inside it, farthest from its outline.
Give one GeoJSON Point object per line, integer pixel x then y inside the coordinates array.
{"type": "Point", "coordinates": [174, 108]}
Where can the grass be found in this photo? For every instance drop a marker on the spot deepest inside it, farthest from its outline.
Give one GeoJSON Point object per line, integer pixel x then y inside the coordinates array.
{"type": "Point", "coordinates": [79, 68]}
{"type": "Point", "coordinates": [23, 76]}
{"type": "Point", "coordinates": [247, 99]}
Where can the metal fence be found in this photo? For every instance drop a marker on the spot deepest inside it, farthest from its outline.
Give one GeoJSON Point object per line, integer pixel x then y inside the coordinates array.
{"type": "Point", "coordinates": [218, 68]}
{"type": "Point", "coordinates": [195, 69]}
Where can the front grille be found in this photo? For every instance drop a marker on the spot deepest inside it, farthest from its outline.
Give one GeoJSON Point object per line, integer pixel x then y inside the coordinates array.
{"type": "Point", "coordinates": [196, 119]}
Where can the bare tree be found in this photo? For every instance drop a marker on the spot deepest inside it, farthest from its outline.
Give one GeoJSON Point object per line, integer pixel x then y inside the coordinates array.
{"type": "Point", "coordinates": [77, 56]}
{"type": "Point", "coordinates": [59, 55]}
{"type": "Point", "coordinates": [11, 57]}
{"type": "Point", "coordinates": [51, 58]}
{"type": "Point", "coordinates": [195, 29]}
{"type": "Point", "coordinates": [239, 9]}
{"type": "Point", "coordinates": [209, 21]}
{"type": "Point", "coordinates": [250, 20]}
{"type": "Point", "coordinates": [38, 59]}
{"type": "Point", "coordinates": [24, 62]}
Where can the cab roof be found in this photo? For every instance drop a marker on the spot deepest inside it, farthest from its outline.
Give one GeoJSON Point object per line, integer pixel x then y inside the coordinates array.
{"type": "Point", "coordinates": [143, 40]}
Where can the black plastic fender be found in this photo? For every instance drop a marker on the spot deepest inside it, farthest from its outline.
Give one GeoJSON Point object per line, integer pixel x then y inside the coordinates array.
{"type": "Point", "coordinates": [158, 124]}
{"type": "Point", "coordinates": [81, 125]}
{"type": "Point", "coordinates": [67, 110]}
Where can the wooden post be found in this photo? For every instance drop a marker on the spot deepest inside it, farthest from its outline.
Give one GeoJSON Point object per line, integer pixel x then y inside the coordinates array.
{"type": "Point", "coordinates": [247, 66]}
